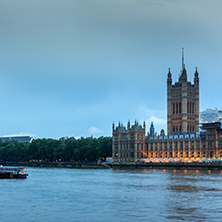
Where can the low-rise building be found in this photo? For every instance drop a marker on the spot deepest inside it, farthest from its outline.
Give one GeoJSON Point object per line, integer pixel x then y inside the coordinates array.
{"type": "Point", "coordinates": [17, 138]}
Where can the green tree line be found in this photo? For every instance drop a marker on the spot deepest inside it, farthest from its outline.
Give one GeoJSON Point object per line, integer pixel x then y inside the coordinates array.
{"type": "Point", "coordinates": [82, 149]}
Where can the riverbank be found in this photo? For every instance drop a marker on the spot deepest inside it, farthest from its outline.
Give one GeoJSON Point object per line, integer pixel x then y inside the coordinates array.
{"type": "Point", "coordinates": [103, 165]}
{"type": "Point", "coordinates": [175, 165]}
{"type": "Point", "coordinates": [84, 165]}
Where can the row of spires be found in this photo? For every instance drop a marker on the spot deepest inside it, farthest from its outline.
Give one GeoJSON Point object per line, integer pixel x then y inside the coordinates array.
{"type": "Point", "coordinates": [151, 131]}
{"type": "Point", "coordinates": [128, 124]}
{"type": "Point", "coordinates": [183, 75]}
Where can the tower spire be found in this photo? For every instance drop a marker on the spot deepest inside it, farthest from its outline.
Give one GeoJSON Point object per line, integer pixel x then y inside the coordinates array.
{"type": "Point", "coordinates": [183, 65]}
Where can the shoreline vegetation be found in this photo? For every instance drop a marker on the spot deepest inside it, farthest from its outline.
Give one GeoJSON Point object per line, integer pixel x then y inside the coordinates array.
{"type": "Point", "coordinates": [50, 150]}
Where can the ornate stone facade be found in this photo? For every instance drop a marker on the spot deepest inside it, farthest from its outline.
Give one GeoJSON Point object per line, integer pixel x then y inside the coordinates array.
{"type": "Point", "coordinates": [131, 145]}
{"type": "Point", "coordinates": [206, 144]}
{"type": "Point", "coordinates": [183, 139]}
{"type": "Point", "coordinates": [128, 142]}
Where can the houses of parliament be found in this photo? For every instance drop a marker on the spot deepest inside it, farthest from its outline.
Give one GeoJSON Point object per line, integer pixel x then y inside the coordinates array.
{"type": "Point", "coordinates": [183, 139]}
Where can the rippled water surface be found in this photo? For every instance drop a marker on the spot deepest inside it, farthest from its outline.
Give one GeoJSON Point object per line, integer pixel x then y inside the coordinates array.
{"type": "Point", "coordinates": [51, 194]}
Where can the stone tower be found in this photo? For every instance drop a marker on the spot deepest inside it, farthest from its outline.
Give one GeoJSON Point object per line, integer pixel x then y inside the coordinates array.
{"type": "Point", "coordinates": [182, 103]}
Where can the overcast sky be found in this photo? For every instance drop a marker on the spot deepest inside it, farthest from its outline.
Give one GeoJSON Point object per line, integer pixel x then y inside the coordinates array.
{"type": "Point", "coordinates": [73, 67]}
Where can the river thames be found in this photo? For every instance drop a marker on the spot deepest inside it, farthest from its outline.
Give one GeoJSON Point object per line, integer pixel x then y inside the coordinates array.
{"type": "Point", "coordinates": [58, 194]}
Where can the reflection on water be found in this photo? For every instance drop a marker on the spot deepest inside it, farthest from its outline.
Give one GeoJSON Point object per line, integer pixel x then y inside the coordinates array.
{"type": "Point", "coordinates": [113, 195]}
{"type": "Point", "coordinates": [194, 196]}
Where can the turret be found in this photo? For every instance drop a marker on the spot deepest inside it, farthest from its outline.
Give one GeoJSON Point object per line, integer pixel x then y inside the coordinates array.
{"type": "Point", "coordinates": [128, 125]}
{"type": "Point", "coordinates": [169, 78]}
{"type": "Point", "coordinates": [196, 77]}
{"type": "Point", "coordinates": [136, 123]}
{"type": "Point", "coordinates": [152, 129]}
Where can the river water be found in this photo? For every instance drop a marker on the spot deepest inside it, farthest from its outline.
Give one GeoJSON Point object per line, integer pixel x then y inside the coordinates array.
{"type": "Point", "coordinates": [52, 194]}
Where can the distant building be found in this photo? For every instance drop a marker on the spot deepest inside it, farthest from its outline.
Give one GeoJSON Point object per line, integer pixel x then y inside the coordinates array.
{"type": "Point", "coordinates": [211, 116]}
{"type": "Point", "coordinates": [64, 138]}
{"type": "Point", "coordinates": [17, 138]}
{"type": "Point", "coordinates": [184, 139]}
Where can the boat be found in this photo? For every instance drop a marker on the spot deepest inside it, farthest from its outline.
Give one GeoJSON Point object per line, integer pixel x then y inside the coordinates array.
{"type": "Point", "coordinates": [12, 172]}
